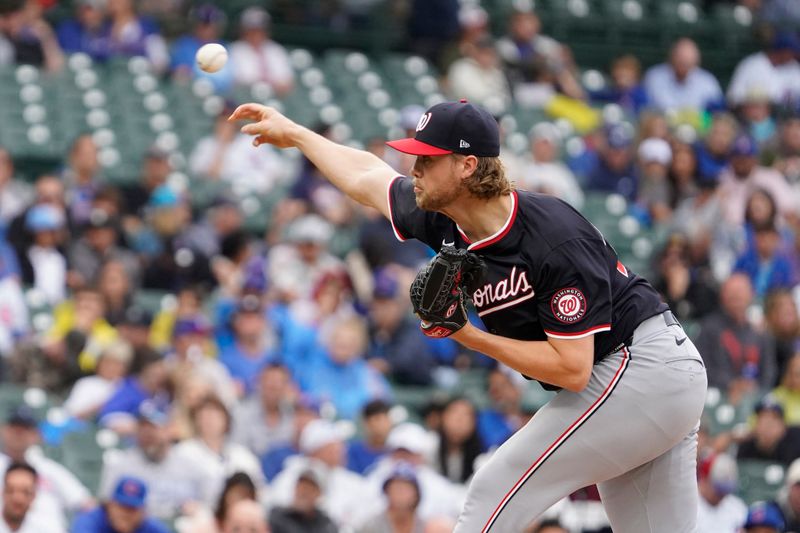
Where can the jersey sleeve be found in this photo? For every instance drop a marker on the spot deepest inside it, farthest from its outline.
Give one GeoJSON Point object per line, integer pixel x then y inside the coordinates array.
{"type": "Point", "coordinates": [573, 290]}
{"type": "Point", "coordinates": [408, 220]}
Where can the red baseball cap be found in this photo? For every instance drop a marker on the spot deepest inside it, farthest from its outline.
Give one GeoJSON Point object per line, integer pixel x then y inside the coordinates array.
{"type": "Point", "coordinates": [453, 128]}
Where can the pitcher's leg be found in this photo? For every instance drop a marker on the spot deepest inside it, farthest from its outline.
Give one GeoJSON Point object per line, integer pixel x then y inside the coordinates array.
{"type": "Point", "coordinates": [657, 497]}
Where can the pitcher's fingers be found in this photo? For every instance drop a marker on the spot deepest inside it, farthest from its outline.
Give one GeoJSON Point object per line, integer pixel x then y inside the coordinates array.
{"type": "Point", "coordinates": [259, 140]}
{"type": "Point", "coordinates": [252, 129]}
{"type": "Point", "coordinates": [247, 111]}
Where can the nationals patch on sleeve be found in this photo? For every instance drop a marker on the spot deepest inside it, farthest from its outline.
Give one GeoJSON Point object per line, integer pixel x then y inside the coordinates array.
{"type": "Point", "coordinates": [568, 305]}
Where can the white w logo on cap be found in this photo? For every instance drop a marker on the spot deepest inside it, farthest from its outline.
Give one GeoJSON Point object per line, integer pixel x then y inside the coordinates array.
{"type": "Point", "coordinates": [423, 121]}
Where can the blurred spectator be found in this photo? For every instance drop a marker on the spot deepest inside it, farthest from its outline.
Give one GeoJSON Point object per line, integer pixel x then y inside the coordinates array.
{"type": "Point", "coordinates": [237, 487]}
{"type": "Point", "coordinates": [19, 492]}
{"type": "Point", "coordinates": [409, 443]}
{"type": "Point", "coordinates": [88, 31]}
{"type": "Point", "coordinates": [784, 152]}
{"type": "Point", "coordinates": [42, 262]}
{"type": "Point", "coordinates": [208, 24]}
{"type": "Point", "coordinates": [227, 155]}
{"type": "Point", "coordinates": [245, 515]}
{"type": "Point", "coordinates": [60, 493]}
{"type": "Point", "coordinates": [402, 493]}
{"type": "Point", "coordinates": [192, 356]}
{"type": "Point", "coordinates": [117, 289]}
{"type": "Point", "coordinates": [304, 513]}
{"type": "Point", "coordinates": [788, 392]}
{"type": "Point", "coordinates": [376, 423]}
{"type": "Point", "coordinates": [136, 392]}
{"type": "Point", "coordinates": [123, 512]}
{"type": "Point", "coordinates": [543, 171]}
{"type": "Point", "coordinates": [32, 39]}
{"type": "Point", "coordinates": [346, 496]}
{"type": "Point", "coordinates": [477, 77]}
{"type": "Point", "coordinates": [774, 72]}
{"type": "Point", "coordinates": [655, 156]}
{"type": "Point", "coordinates": [782, 326]}
{"type": "Point", "coordinates": [504, 416]}
{"type": "Point", "coordinates": [255, 57]}
{"type": "Point", "coordinates": [614, 170]}
{"type": "Point", "coordinates": [533, 59]}
{"type": "Point", "coordinates": [626, 89]}
{"type": "Point", "coordinates": [133, 35]}
{"type": "Point", "coordinates": [306, 410]}
{"type": "Point", "coordinates": [134, 328]}
{"type": "Point", "coordinates": [265, 420]}
{"type": "Point", "coordinates": [397, 347]}
{"type": "Point", "coordinates": [755, 113]}
{"type": "Point", "coordinates": [338, 373]}
{"type": "Point", "coordinates": [98, 245]}
{"type": "Point", "coordinates": [173, 264]}
{"type": "Point", "coordinates": [744, 175]}
{"type": "Point", "coordinates": [432, 25]}
{"type": "Point", "coordinates": [720, 510]}
{"type": "Point", "coordinates": [212, 450]}
{"type": "Point", "coordinates": [459, 441]}
{"type": "Point", "coordinates": [765, 265]}
{"type": "Point", "coordinates": [771, 439]}
{"type": "Point", "coordinates": [249, 350]}
{"type": "Point", "coordinates": [683, 174]}
{"type": "Point", "coordinates": [688, 288]}
{"type": "Point", "coordinates": [174, 480]}
{"type": "Point", "coordinates": [680, 84]}
{"type": "Point", "coordinates": [81, 178]}
{"type": "Point", "coordinates": [764, 517]}
{"type": "Point", "coordinates": [222, 218]}
{"type": "Point", "coordinates": [14, 315]}
{"type": "Point", "coordinates": [15, 195]}
{"type": "Point", "coordinates": [735, 354]}
{"type": "Point", "coordinates": [296, 265]}
{"type": "Point", "coordinates": [713, 152]}
{"type": "Point", "coordinates": [91, 392]}
{"type": "Point", "coordinates": [789, 497]}
{"type": "Point", "coordinates": [48, 189]}
{"type": "Point", "coordinates": [156, 167]}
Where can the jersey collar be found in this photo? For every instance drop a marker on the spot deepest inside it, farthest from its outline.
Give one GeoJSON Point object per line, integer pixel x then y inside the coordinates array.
{"type": "Point", "coordinates": [502, 232]}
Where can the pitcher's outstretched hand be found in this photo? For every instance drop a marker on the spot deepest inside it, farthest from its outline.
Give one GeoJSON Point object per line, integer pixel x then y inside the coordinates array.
{"type": "Point", "coordinates": [267, 125]}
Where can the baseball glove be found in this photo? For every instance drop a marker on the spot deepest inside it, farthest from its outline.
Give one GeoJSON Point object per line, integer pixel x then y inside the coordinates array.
{"type": "Point", "coordinates": [440, 290]}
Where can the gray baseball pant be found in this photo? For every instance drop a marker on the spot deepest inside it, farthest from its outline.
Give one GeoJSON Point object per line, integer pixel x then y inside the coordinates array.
{"type": "Point", "coordinates": [632, 431]}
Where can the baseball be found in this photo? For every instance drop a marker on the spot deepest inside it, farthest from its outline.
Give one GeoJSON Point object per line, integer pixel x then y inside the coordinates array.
{"type": "Point", "coordinates": [211, 57]}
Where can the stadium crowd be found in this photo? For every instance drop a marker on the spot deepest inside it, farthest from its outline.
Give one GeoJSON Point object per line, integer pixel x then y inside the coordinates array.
{"type": "Point", "coordinates": [263, 391]}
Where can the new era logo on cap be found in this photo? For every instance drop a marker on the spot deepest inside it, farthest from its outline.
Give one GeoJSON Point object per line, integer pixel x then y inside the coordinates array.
{"type": "Point", "coordinates": [453, 128]}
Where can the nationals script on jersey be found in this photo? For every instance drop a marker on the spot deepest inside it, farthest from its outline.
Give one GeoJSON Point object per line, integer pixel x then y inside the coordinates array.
{"type": "Point", "coordinates": [551, 272]}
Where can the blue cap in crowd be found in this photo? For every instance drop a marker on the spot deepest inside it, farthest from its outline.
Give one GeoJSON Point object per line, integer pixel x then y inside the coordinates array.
{"type": "Point", "coordinates": [786, 40]}
{"type": "Point", "coordinates": [130, 492]}
{"type": "Point", "coordinates": [744, 145]}
{"type": "Point", "coordinates": [769, 403]}
{"type": "Point", "coordinates": [192, 325]}
{"type": "Point", "coordinates": [764, 514]}
{"type": "Point", "coordinates": [22, 415]}
{"type": "Point", "coordinates": [385, 284]}
{"type": "Point", "coordinates": [150, 411]}
{"type": "Point", "coordinates": [164, 196]}
{"type": "Point", "coordinates": [44, 217]}
{"type": "Point", "coordinates": [618, 136]}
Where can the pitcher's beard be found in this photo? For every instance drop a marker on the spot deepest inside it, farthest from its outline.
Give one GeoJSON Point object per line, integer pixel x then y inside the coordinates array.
{"type": "Point", "coordinates": [436, 202]}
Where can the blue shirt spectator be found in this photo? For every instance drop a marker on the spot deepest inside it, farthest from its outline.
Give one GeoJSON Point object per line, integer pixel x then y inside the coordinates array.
{"type": "Point", "coordinates": [272, 462]}
{"type": "Point", "coordinates": [134, 391]}
{"type": "Point", "coordinates": [88, 31]}
{"type": "Point", "coordinates": [209, 22]}
{"type": "Point", "coordinates": [364, 452]}
{"type": "Point", "coordinates": [614, 170]}
{"type": "Point", "coordinates": [680, 84]}
{"type": "Point", "coordinates": [626, 89]}
{"type": "Point", "coordinates": [339, 374]}
{"type": "Point", "coordinates": [766, 267]}
{"type": "Point", "coordinates": [125, 511]}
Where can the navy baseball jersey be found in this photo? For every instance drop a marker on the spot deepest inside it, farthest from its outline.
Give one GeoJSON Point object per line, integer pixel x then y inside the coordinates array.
{"type": "Point", "coordinates": [551, 272]}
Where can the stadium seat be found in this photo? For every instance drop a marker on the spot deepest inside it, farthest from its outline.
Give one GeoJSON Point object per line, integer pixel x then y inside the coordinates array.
{"type": "Point", "coordinates": [759, 480]}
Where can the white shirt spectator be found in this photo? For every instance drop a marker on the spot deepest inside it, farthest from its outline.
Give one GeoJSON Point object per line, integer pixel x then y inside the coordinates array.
{"type": "Point", "coordinates": [734, 192]}
{"type": "Point", "coordinates": [727, 517]}
{"type": "Point", "coordinates": [553, 178]}
{"type": "Point", "coordinates": [218, 467]}
{"type": "Point", "coordinates": [246, 169]}
{"type": "Point", "coordinates": [59, 494]}
{"type": "Point", "coordinates": [173, 482]}
{"type": "Point", "coordinates": [250, 428]}
{"type": "Point", "coordinates": [484, 86]}
{"type": "Point", "coordinates": [269, 63]}
{"type": "Point", "coordinates": [49, 272]}
{"type": "Point", "coordinates": [755, 74]}
{"type": "Point", "coordinates": [694, 93]}
{"type": "Point", "coordinates": [88, 394]}
{"type": "Point", "coordinates": [33, 523]}
{"type": "Point", "coordinates": [347, 497]}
